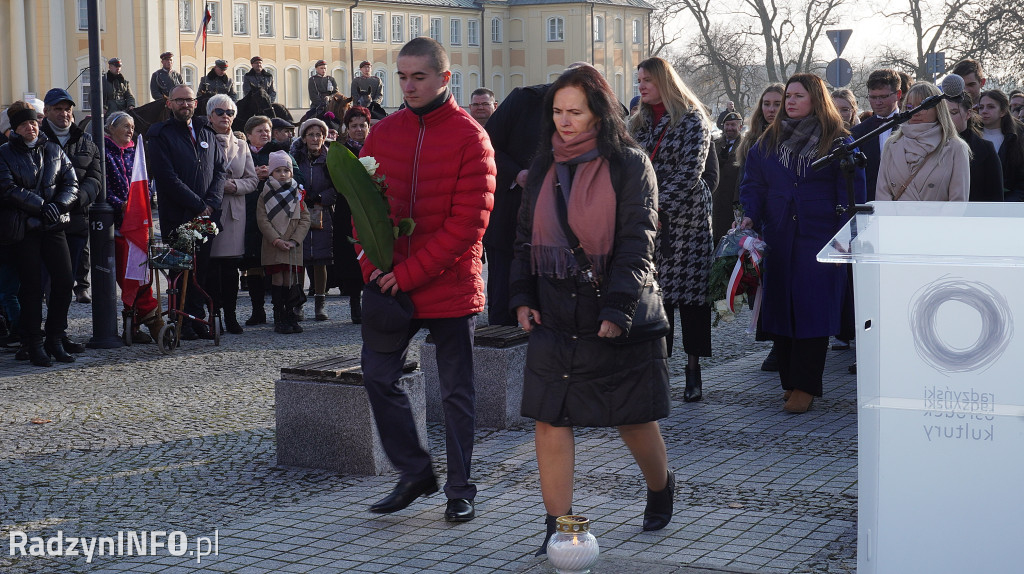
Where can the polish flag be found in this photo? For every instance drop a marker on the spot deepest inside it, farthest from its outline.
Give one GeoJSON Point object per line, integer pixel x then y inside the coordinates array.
{"type": "Point", "coordinates": [137, 218]}
{"type": "Point", "coordinates": [201, 34]}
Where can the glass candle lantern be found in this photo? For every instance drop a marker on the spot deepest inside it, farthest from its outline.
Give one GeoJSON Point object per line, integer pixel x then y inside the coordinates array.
{"type": "Point", "coordinates": [573, 549]}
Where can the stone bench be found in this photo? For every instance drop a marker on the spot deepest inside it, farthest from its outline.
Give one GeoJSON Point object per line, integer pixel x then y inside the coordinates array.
{"type": "Point", "coordinates": [499, 356]}
{"type": "Point", "coordinates": [324, 418]}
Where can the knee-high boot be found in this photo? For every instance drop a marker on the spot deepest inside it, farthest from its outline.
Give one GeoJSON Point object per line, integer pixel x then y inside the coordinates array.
{"type": "Point", "coordinates": [257, 294]}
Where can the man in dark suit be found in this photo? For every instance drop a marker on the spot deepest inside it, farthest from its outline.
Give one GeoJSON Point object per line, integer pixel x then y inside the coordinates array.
{"type": "Point", "coordinates": [187, 165]}
{"type": "Point", "coordinates": [727, 195]}
{"type": "Point", "coordinates": [515, 132]}
{"type": "Point", "coordinates": [884, 94]}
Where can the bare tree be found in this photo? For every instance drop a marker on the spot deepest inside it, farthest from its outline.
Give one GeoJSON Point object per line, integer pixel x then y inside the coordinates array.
{"type": "Point", "coordinates": [663, 34]}
{"type": "Point", "coordinates": [789, 32]}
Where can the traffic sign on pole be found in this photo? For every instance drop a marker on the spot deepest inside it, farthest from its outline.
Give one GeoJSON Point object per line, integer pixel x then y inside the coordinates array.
{"type": "Point", "coordinates": [838, 73]}
{"type": "Point", "coordinates": [839, 38]}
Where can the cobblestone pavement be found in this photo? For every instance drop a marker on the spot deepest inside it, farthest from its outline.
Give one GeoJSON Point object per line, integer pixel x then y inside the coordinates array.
{"type": "Point", "coordinates": [142, 441]}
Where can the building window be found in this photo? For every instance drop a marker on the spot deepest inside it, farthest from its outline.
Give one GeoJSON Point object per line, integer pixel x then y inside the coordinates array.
{"type": "Point", "coordinates": [265, 20]}
{"type": "Point", "coordinates": [214, 8]}
{"type": "Point", "coordinates": [184, 15]}
{"type": "Point", "coordinates": [315, 18]}
{"type": "Point", "coordinates": [556, 29]}
{"type": "Point", "coordinates": [397, 29]}
{"type": "Point", "coordinates": [496, 30]}
{"type": "Point", "coordinates": [456, 87]}
{"type": "Point", "coordinates": [292, 88]}
{"type": "Point", "coordinates": [456, 37]}
{"type": "Point", "coordinates": [378, 27]}
{"type": "Point", "coordinates": [239, 78]}
{"type": "Point", "coordinates": [383, 83]}
{"type": "Point", "coordinates": [188, 74]}
{"type": "Point", "coordinates": [618, 30]}
{"type": "Point", "coordinates": [291, 21]}
{"type": "Point", "coordinates": [638, 32]}
{"type": "Point", "coordinates": [86, 89]}
{"type": "Point", "coordinates": [415, 27]}
{"type": "Point", "coordinates": [337, 24]}
{"type": "Point", "coordinates": [359, 26]}
{"type": "Point", "coordinates": [83, 14]}
{"type": "Point", "coordinates": [473, 32]}
{"type": "Point", "coordinates": [599, 28]}
{"type": "Point", "coordinates": [240, 19]}
{"type": "Point", "coordinates": [636, 83]}
{"type": "Point", "coordinates": [435, 29]}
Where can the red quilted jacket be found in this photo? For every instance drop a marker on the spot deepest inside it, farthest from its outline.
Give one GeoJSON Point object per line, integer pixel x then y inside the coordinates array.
{"type": "Point", "coordinates": [440, 172]}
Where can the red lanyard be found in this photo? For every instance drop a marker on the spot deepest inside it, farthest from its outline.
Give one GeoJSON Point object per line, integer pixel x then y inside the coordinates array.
{"type": "Point", "coordinates": [657, 145]}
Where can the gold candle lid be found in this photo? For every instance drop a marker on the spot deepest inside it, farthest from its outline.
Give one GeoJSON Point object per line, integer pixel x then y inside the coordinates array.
{"type": "Point", "coordinates": [573, 524]}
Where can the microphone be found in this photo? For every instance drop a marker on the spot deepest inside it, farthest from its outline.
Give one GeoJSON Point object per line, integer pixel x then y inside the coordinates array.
{"type": "Point", "coordinates": [952, 87]}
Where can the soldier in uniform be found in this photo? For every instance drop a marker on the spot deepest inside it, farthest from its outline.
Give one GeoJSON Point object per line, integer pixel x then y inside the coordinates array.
{"type": "Point", "coordinates": [117, 94]}
{"type": "Point", "coordinates": [367, 88]}
{"type": "Point", "coordinates": [321, 86]}
{"type": "Point", "coordinates": [258, 77]}
{"type": "Point", "coordinates": [217, 81]}
{"type": "Point", "coordinates": [164, 79]}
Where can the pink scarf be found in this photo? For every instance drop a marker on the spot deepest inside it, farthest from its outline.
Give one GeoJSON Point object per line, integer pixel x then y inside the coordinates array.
{"type": "Point", "coordinates": [591, 208]}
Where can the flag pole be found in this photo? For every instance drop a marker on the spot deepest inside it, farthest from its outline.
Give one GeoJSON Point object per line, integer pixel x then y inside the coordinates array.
{"type": "Point", "coordinates": [206, 6]}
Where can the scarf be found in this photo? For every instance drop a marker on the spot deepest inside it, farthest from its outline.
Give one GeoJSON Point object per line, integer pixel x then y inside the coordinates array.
{"type": "Point", "coordinates": [799, 143]}
{"type": "Point", "coordinates": [282, 203]}
{"type": "Point", "coordinates": [63, 135]}
{"type": "Point", "coordinates": [590, 202]}
{"type": "Point", "coordinates": [918, 141]}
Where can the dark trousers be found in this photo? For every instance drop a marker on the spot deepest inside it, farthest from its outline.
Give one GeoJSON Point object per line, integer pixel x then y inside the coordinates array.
{"type": "Point", "coordinates": [801, 363]}
{"type": "Point", "coordinates": [847, 322]}
{"type": "Point", "coordinates": [499, 270]}
{"type": "Point", "coordinates": [222, 282]}
{"type": "Point", "coordinates": [39, 250]}
{"type": "Point", "coordinates": [80, 263]}
{"type": "Point", "coordinates": [453, 339]}
{"type": "Point", "coordinates": [695, 323]}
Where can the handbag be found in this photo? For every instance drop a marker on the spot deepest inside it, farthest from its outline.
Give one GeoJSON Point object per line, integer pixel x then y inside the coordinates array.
{"type": "Point", "coordinates": [316, 217]}
{"type": "Point", "coordinates": [296, 295]}
{"type": "Point", "coordinates": [650, 321]}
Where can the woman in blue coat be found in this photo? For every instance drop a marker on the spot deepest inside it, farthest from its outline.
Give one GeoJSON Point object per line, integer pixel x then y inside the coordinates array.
{"type": "Point", "coordinates": [796, 209]}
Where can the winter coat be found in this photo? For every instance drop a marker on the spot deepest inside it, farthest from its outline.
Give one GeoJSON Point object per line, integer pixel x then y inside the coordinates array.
{"type": "Point", "coordinates": [296, 231]}
{"type": "Point", "coordinates": [188, 176]}
{"type": "Point", "coordinates": [367, 90]}
{"type": "Point", "coordinates": [345, 272]}
{"type": "Point", "coordinates": [1013, 171]}
{"type": "Point", "coordinates": [30, 178]}
{"type": "Point", "coordinates": [319, 88]}
{"type": "Point", "coordinates": [986, 171]}
{"type": "Point", "coordinates": [230, 242]}
{"type": "Point", "coordinates": [728, 193]}
{"type": "Point", "coordinates": [120, 163]}
{"type": "Point", "coordinates": [253, 79]}
{"type": "Point", "coordinates": [797, 215]}
{"type": "Point", "coordinates": [162, 82]}
{"type": "Point", "coordinates": [213, 84]}
{"type": "Point", "coordinates": [572, 377]}
{"type": "Point", "coordinates": [440, 172]}
{"type": "Point", "coordinates": [253, 237]}
{"type": "Point", "coordinates": [117, 94]}
{"type": "Point", "coordinates": [945, 176]}
{"type": "Point", "coordinates": [684, 246]}
{"type": "Point", "coordinates": [318, 246]}
{"type": "Point", "coordinates": [85, 157]}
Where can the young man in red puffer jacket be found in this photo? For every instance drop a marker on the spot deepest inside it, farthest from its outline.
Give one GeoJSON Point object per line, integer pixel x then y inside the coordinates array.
{"type": "Point", "coordinates": [440, 171]}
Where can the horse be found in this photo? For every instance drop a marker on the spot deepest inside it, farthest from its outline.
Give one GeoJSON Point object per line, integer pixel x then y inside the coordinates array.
{"type": "Point", "coordinates": [336, 104]}
{"type": "Point", "coordinates": [257, 103]}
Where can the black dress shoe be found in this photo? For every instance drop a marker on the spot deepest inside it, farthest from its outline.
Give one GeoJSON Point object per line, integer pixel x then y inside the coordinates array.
{"type": "Point", "coordinates": [694, 386]}
{"type": "Point", "coordinates": [405, 492]}
{"type": "Point", "coordinates": [71, 346]}
{"type": "Point", "coordinates": [459, 510]}
{"type": "Point", "coordinates": [188, 333]}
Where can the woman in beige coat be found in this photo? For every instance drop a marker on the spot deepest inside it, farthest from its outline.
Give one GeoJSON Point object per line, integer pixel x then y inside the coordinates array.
{"type": "Point", "coordinates": [283, 218]}
{"type": "Point", "coordinates": [925, 160]}
{"type": "Point", "coordinates": [229, 245]}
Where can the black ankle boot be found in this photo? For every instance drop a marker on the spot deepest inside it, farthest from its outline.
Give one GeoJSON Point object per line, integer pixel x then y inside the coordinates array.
{"type": "Point", "coordinates": [658, 512]}
{"type": "Point", "coordinates": [37, 354]}
{"type": "Point", "coordinates": [55, 349]}
{"type": "Point", "coordinates": [693, 391]}
{"type": "Point", "coordinates": [551, 523]}
{"type": "Point", "coordinates": [231, 322]}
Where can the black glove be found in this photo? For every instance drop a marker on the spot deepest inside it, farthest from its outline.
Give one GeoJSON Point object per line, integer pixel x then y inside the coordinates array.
{"type": "Point", "coordinates": [51, 211]}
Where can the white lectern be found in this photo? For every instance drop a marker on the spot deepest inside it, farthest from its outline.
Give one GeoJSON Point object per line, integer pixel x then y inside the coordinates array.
{"type": "Point", "coordinates": [940, 385]}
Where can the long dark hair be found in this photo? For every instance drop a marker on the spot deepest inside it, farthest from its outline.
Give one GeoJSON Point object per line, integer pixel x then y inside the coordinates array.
{"type": "Point", "coordinates": [1008, 124]}
{"type": "Point", "coordinates": [612, 136]}
{"type": "Point", "coordinates": [822, 107]}
{"type": "Point", "coordinates": [757, 123]}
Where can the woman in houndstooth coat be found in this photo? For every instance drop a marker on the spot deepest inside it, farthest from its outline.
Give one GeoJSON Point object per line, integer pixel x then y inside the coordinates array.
{"type": "Point", "coordinates": [675, 130]}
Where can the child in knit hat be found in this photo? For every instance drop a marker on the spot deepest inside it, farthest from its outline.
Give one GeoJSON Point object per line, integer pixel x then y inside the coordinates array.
{"type": "Point", "coordinates": [284, 221]}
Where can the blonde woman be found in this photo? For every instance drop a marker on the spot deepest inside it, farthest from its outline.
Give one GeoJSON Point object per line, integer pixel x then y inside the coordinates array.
{"type": "Point", "coordinates": [846, 103]}
{"type": "Point", "coordinates": [674, 129]}
{"type": "Point", "coordinates": [925, 160]}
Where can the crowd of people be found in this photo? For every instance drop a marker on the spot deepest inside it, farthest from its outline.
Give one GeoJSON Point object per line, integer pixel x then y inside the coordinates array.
{"type": "Point", "coordinates": [597, 225]}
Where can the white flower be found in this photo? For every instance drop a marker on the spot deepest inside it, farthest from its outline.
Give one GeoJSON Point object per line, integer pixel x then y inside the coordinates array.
{"type": "Point", "coordinates": [369, 164]}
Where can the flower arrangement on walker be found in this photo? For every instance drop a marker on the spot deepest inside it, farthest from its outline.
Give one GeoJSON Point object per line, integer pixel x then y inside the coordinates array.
{"type": "Point", "coordinates": [184, 239]}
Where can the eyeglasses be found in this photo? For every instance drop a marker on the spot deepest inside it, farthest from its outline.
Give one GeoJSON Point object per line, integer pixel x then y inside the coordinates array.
{"type": "Point", "coordinates": [881, 98]}
{"type": "Point", "coordinates": [482, 105]}
{"type": "Point", "coordinates": [184, 101]}
{"type": "Point", "coordinates": [222, 112]}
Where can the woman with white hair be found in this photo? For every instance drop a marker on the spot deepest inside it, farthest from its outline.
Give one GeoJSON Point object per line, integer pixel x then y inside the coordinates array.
{"type": "Point", "coordinates": [229, 245]}
{"type": "Point", "coordinates": [925, 160]}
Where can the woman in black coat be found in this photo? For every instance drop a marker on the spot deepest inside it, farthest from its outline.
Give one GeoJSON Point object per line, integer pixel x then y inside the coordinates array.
{"type": "Point", "coordinates": [986, 170]}
{"type": "Point", "coordinates": [346, 272]}
{"type": "Point", "coordinates": [576, 373]}
{"type": "Point", "coordinates": [310, 153]}
{"type": "Point", "coordinates": [38, 182]}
